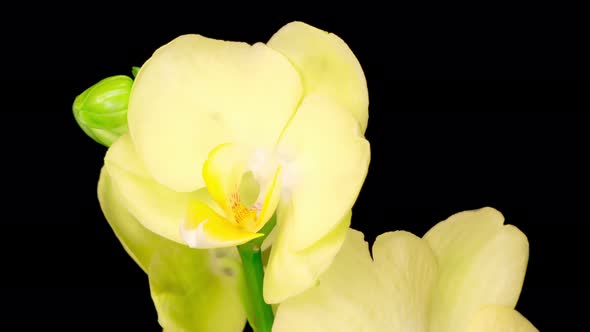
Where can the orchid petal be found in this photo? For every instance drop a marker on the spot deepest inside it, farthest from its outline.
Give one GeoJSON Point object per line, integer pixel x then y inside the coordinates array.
{"type": "Point", "coordinates": [137, 240]}
{"type": "Point", "coordinates": [156, 207]}
{"type": "Point", "coordinates": [408, 272]}
{"type": "Point", "coordinates": [291, 271]}
{"type": "Point", "coordinates": [356, 293]}
{"type": "Point", "coordinates": [495, 318]}
{"type": "Point", "coordinates": [197, 290]}
{"type": "Point", "coordinates": [325, 163]}
{"type": "Point", "coordinates": [481, 262]}
{"type": "Point", "coordinates": [195, 93]}
{"type": "Point", "coordinates": [334, 303]}
{"type": "Point", "coordinates": [327, 66]}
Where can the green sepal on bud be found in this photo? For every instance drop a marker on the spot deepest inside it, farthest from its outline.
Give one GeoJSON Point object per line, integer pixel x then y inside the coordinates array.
{"type": "Point", "coordinates": [101, 110]}
{"type": "Point", "coordinates": [135, 70]}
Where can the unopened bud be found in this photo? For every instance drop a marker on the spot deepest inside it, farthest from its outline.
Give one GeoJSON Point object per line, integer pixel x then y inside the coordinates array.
{"type": "Point", "coordinates": [101, 110]}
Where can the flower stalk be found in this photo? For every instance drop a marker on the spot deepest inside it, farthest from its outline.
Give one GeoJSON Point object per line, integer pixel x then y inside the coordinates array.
{"type": "Point", "coordinates": [259, 313]}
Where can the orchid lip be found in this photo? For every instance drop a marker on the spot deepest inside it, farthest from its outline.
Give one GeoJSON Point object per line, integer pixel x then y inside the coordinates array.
{"type": "Point", "coordinates": [247, 198]}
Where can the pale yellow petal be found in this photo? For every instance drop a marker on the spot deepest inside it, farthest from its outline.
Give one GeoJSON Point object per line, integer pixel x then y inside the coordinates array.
{"type": "Point", "coordinates": [495, 318]}
{"type": "Point", "coordinates": [408, 272]}
{"type": "Point", "coordinates": [325, 161]}
{"type": "Point", "coordinates": [327, 66]}
{"type": "Point", "coordinates": [291, 271]}
{"type": "Point", "coordinates": [481, 262]}
{"type": "Point", "coordinates": [155, 206]}
{"type": "Point", "coordinates": [196, 93]}
{"type": "Point", "coordinates": [344, 298]}
{"type": "Point", "coordinates": [204, 228]}
{"type": "Point", "coordinates": [356, 294]}
{"type": "Point", "coordinates": [122, 153]}
{"type": "Point", "coordinates": [137, 240]}
{"type": "Point", "coordinates": [473, 227]}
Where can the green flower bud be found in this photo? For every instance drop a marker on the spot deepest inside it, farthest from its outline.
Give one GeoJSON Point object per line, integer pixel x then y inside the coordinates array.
{"type": "Point", "coordinates": [101, 110]}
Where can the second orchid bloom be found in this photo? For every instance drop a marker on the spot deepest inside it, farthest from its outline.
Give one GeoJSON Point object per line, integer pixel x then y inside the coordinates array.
{"type": "Point", "coordinates": [464, 275]}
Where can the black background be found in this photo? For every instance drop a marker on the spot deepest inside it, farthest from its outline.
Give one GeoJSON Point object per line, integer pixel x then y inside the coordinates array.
{"type": "Point", "coordinates": [446, 136]}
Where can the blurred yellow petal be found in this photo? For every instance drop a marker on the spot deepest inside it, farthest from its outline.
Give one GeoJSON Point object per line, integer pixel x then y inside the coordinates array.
{"type": "Point", "coordinates": [495, 318]}
{"type": "Point", "coordinates": [291, 271]}
{"type": "Point", "coordinates": [327, 66]}
{"type": "Point", "coordinates": [155, 206]}
{"type": "Point", "coordinates": [205, 228]}
{"type": "Point", "coordinates": [195, 93]}
{"type": "Point", "coordinates": [481, 262]}
{"type": "Point", "coordinates": [197, 290]}
{"type": "Point", "coordinates": [137, 240]}
{"type": "Point", "coordinates": [325, 163]}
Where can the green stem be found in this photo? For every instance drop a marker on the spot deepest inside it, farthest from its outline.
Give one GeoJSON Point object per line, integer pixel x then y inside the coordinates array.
{"type": "Point", "coordinates": [260, 315]}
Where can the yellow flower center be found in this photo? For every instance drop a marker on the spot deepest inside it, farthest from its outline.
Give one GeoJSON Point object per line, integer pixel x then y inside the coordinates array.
{"type": "Point", "coordinates": [245, 203]}
{"type": "Point", "coordinates": [244, 216]}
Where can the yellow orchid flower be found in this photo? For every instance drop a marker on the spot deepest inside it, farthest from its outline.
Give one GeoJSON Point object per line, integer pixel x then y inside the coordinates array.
{"type": "Point", "coordinates": [464, 275]}
{"type": "Point", "coordinates": [222, 135]}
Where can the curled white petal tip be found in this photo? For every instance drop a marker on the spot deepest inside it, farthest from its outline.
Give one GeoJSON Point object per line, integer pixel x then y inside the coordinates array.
{"type": "Point", "coordinates": [191, 236]}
